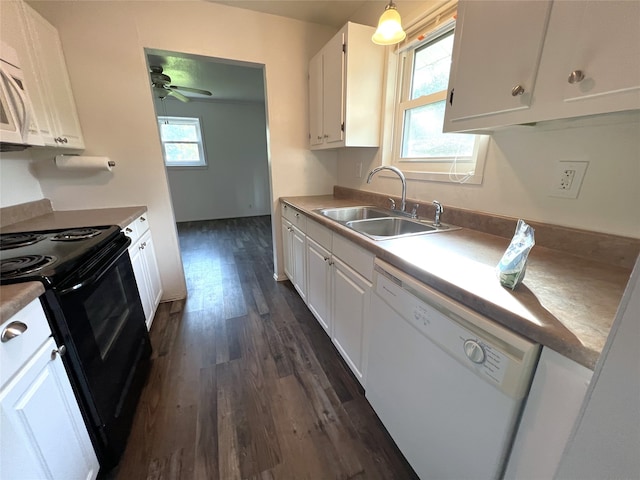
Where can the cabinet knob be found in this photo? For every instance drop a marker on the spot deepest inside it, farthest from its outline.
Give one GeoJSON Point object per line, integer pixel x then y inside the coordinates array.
{"type": "Point", "coordinates": [326, 135]}
{"type": "Point", "coordinates": [61, 350]}
{"type": "Point", "coordinates": [517, 90]}
{"type": "Point", "coordinates": [13, 330]}
{"type": "Point", "coordinates": [127, 230]}
{"type": "Point", "coordinates": [142, 219]}
{"type": "Point", "coordinates": [319, 137]}
{"type": "Point", "coordinates": [64, 140]}
{"type": "Point", "coordinates": [297, 215]}
{"type": "Point", "coordinates": [576, 76]}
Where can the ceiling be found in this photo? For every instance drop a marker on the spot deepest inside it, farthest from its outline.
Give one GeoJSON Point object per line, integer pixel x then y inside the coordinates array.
{"type": "Point", "coordinates": [333, 13]}
{"type": "Point", "coordinates": [226, 80]}
{"type": "Point", "coordinates": [234, 81]}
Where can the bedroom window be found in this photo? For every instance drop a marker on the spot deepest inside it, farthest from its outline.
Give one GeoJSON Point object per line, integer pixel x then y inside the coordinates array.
{"type": "Point", "coordinates": [421, 150]}
{"type": "Point", "coordinates": [182, 142]}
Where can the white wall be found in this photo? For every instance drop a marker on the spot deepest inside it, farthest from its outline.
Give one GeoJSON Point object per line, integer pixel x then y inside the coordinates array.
{"type": "Point", "coordinates": [104, 43]}
{"type": "Point", "coordinates": [235, 182]}
{"type": "Point", "coordinates": [17, 182]}
{"type": "Point", "coordinates": [519, 170]}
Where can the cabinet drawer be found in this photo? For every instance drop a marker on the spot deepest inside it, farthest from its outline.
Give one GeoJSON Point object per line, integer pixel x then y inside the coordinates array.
{"type": "Point", "coordinates": [142, 223]}
{"type": "Point", "coordinates": [320, 234]}
{"type": "Point", "coordinates": [15, 352]}
{"type": "Point", "coordinates": [131, 231]}
{"type": "Point", "coordinates": [356, 257]}
{"type": "Point", "coordinates": [296, 218]}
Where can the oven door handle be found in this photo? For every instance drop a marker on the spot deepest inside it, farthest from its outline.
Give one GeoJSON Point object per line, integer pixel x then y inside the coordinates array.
{"type": "Point", "coordinates": [99, 272]}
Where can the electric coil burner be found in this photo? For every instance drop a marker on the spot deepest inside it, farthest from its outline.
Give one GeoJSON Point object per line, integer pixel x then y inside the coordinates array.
{"type": "Point", "coordinates": [24, 265]}
{"type": "Point", "coordinates": [75, 234]}
{"type": "Point", "coordinates": [93, 307]}
{"type": "Point", "coordinates": [15, 240]}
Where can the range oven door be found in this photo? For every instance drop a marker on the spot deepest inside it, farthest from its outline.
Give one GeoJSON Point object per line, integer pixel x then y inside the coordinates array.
{"type": "Point", "coordinates": [104, 324]}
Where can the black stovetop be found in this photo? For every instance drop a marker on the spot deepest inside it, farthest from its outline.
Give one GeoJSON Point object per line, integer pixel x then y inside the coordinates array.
{"type": "Point", "coordinates": [49, 256]}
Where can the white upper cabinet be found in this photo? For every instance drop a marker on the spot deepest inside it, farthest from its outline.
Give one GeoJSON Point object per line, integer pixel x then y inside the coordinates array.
{"type": "Point", "coordinates": [52, 70]}
{"type": "Point", "coordinates": [571, 59]}
{"type": "Point", "coordinates": [490, 73]}
{"type": "Point", "coordinates": [38, 47]}
{"type": "Point", "coordinates": [602, 63]}
{"type": "Point", "coordinates": [345, 90]}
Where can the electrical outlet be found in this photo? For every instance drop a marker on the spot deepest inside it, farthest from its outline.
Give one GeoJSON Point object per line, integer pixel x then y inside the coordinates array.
{"type": "Point", "coordinates": [567, 179]}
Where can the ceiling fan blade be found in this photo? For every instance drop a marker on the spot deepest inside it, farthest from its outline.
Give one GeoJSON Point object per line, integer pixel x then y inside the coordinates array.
{"type": "Point", "coordinates": [189, 89]}
{"type": "Point", "coordinates": [178, 95]}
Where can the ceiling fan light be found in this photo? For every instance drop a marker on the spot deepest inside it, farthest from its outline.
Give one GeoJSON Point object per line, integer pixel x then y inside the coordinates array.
{"type": "Point", "coordinates": [389, 31]}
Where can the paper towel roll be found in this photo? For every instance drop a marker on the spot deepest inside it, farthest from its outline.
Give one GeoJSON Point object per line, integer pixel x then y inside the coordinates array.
{"type": "Point", "coordinates": [83, 163]}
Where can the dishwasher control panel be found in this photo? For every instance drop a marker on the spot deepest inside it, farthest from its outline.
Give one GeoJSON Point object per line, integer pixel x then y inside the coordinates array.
{"type": "Point", "coordinates": [492, 351]}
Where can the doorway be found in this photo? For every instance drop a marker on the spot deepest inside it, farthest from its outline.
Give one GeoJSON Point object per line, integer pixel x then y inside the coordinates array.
{"type": "Point", "coordinates": [233, 179]}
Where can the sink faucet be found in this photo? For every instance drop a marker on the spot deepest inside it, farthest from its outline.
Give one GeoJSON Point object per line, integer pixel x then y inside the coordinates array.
{"type": "Point", "coordinates": [395, 170]}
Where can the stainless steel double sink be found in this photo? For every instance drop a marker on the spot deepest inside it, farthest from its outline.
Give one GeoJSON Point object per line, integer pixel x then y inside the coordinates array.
{"type": "Point", "coordinates": [380, 224]}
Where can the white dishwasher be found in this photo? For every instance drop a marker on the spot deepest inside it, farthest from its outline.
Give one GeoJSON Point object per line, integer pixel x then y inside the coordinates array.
{"type": "Point", "coordinates": [447, 383]}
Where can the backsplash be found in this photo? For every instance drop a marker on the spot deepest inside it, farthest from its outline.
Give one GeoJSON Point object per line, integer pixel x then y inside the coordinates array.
{"type": "Point", "coordinates": [612, 249]}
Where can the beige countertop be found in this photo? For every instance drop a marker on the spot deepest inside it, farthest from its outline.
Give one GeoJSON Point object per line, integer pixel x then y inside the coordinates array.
{"type": "Point", "coordinates": [567, 303]}
{"type": "Point", "coordinates": [121, 216]}
{"type": "Point", "coordinates": [15, 297]}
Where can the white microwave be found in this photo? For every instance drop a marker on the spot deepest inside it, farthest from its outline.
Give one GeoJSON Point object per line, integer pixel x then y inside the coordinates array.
{"type": "Point", "coordinates": [18, 125]}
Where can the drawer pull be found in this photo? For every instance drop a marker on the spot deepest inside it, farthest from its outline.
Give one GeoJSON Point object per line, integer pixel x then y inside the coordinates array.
{"type": "Point", "coordinates": [13, 330]}
{"type": "Point", "coordinates": [61, 350]}
{"type": "Point", "coordinates": [142, 219]}
{"type": "Point", "coordinates": [127, 230]}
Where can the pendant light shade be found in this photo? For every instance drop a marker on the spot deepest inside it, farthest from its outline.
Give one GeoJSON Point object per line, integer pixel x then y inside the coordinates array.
{"type": "Point", "coordinates": [389, 31]}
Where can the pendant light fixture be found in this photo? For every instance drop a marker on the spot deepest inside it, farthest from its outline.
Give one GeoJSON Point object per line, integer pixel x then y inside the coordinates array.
{"type": "Point", "coordinates": [389, 31]}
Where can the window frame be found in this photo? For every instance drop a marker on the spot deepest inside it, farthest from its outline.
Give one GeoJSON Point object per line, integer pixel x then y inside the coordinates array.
{"type": "Point", "coordinates": [174, 120]}
{"type": "Point", "coordinates": [440, 169]}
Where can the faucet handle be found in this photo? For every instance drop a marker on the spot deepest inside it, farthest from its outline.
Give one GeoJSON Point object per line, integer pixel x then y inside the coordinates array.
{"type": "Point", "coordinates": [414, 210]}
{"type": "Point", "coordinates": [393, 203]}
{"type": "Point", "coordinates": [439, 210]}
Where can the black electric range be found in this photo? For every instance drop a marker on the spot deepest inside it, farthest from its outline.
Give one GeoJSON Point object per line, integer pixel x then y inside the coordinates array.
{"type": "Point", "coordinates": [92, 303]}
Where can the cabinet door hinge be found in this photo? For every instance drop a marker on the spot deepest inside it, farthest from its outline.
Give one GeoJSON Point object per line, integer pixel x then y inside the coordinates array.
{"type": "Point", "coordinates": [342, 127]}
{"type": "Point", "coordinates": [344, 47]}
{"type": "Point", "coordinates": [451, 97]}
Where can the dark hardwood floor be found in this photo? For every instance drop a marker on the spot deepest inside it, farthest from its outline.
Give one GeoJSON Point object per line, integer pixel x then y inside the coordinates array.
{"type": "Point", "coordinates": [245, 384]}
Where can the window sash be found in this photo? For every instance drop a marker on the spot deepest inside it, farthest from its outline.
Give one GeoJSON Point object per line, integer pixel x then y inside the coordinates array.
{"type": "Point", "coordinates": [405, 104]}
{"type": "Point", "coordinates": [201, 162]}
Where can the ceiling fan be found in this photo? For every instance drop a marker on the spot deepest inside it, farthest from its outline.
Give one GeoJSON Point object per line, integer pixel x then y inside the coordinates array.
{"type": "Point", "coordinates": [162, 87]}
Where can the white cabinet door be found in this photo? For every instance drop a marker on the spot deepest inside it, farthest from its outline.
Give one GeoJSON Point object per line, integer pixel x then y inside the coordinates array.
{"type": "Point", "coordinates": [298, 247]}
{"type": "Point", "coordinates": [497, 49]}
{"type": "Point", "coordinates": [555, 398]}
{"type": "Point", "coordinates": [333, 88]}
{"type": "Point", "coordinates": [145, 267]}
{"type": "Point", "coordinates": [55, 82]}
{"type": "Point", "coordinates": [345, 88]}
{"type": "Point", "coordinates": [606, 49]}
{"type": "Point", "coordinates": [287, 238]}
{"type": "Point", "coordinates": [351, 295]}
{"type": "Point", "coordinates": [14, 32]}
{"type": "Point", "coordinates": [42, 434]}
{"type": "Point", "coordinates": [154, 283]}
{"type": "Point", "coordinates": [319, 283]}
{"type": "Point", "coordinates": [137, 262]}
{"type": "Point", "coordinates": [315, 100]}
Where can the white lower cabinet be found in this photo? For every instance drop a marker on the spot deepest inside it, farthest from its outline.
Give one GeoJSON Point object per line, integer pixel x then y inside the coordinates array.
{"type": "Point", "coordinates": [42, 433]}
{"type": "Point", "coordinates": [351, 294]}
{"type": "Point", "coordinates": [145, 266]}
{"type": "Point", "coordinates": [552, 407]}
{"type": "Point", "coordinates": [294, 244]}
{"type": "Point", "coordinates": [338, 292]}
{"type": "Point", "coordinates": [319, 271]}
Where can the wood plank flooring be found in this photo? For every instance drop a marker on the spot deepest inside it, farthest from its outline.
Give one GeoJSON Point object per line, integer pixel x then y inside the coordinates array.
{"type": "Point", "coordinates": [244, 383]}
